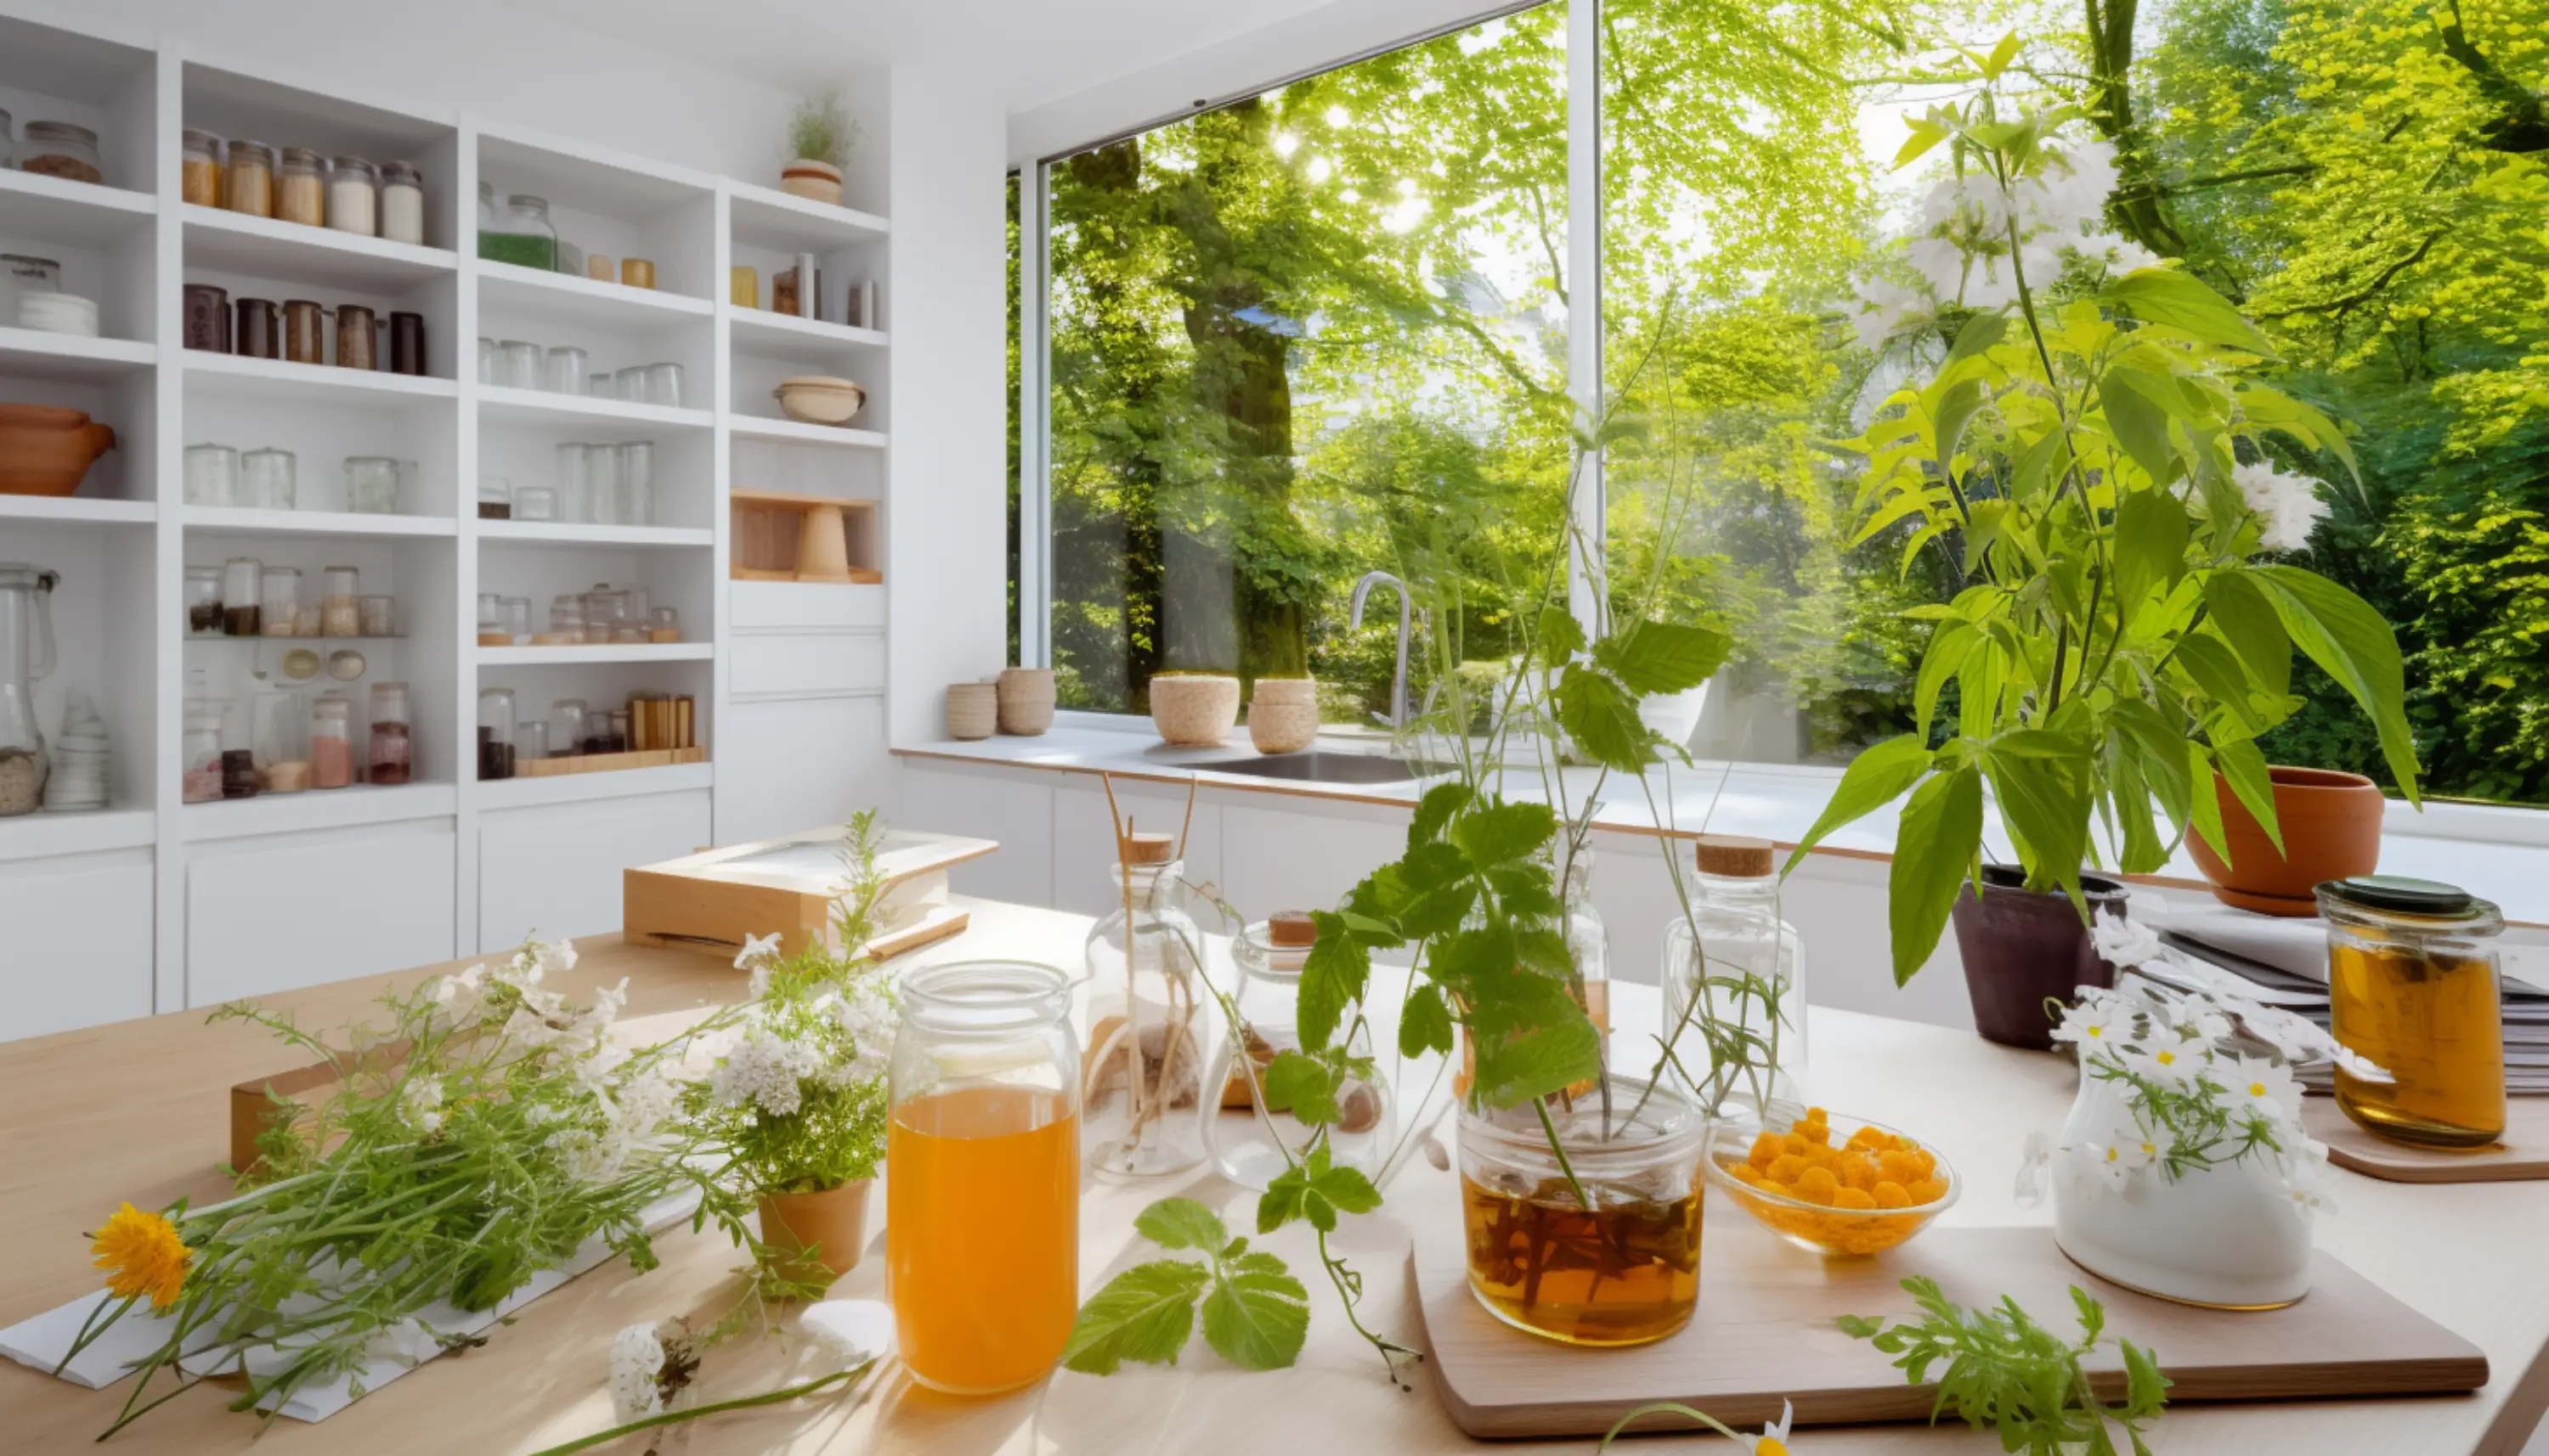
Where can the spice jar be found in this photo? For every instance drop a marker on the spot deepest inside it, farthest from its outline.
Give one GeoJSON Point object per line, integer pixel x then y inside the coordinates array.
{"type": "Point", "coordinates": [247, 185]}
{"type": "Point", "coordinates": [518, 364]}
{"type": "Point", "coordinates": [260, 329]}
{"type": "Point", "coordinates": [1152, 1026]}
{"type": "Point", "coordinates": [331, 743]}
{"type": "Point", "coordinates": [391, 748]}
{"type": "Point", "coordinates": [536, 503]}
{"type": "Point", "coordinates": [2413, 988]}
{"type": "Point", "coordinates": [304, 336]}
{"type": "Point", "coordinates": [600, 268]}
{"type": "Point", "coordinates": [562, 373]}
{"type": "Point", "coordinates": [357, 337]}
{"type": "Point", "coordinates": [407, 344]}
{"type": "Point", "coordinates": [241, 580]}
{"type": "Point", "coordinates": [208, 319]}
{"type": "Point", "coordinates": [204, 600]}
{"type": "Point", "coordinates": [354, 197]}
{"type": "Point", "coordinates": [301, 187]}
{"type": "Point", "coordinates": [638, 272]}
{"type": "Point", "coordinates": [282, 741]}
{"type": "Point", "coordinates": [279, 599]}
{"type": "Point", "coordinates": [199, 752]}
{"type": "Point", "coordinates": [267, 480]}
{"type": "Point", "coordinates": [566, 622]}
{"type": "Point", "coordinates": [200, 173]}
{"type": "Point", "coordinates": [523, 234]}
{"type": "Point", "coordinates": [495, 498]}
{"type": "Point", "coordinates": [491, 621]}
{"type": "Point", "coordinates": [61, 149]}
{"type": "Point", "coordinates": [496, 732]}
{"type": "Point", "coordinates": [371, 485]}
{"type": "Point", "coordinates": [743, 287]}
{"type": "Point", "coordinates": [665, 625]}
{"type": "Point", "coordinates": [379, 616]}
{"type": "Point", "coordinates": [341, 614]}
{"type": "Point", "coordinates": [212, 475]}
{"type": "Point", "coordinates": [518, 619]}
{"type": "Point", "coordinates": [1253, 1137]}
{"type": "Point", "coordinates": [401, 203]}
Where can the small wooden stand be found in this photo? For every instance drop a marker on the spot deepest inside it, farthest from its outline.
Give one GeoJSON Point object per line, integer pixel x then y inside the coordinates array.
{"type": "Point", "coordinates": [784, 537]}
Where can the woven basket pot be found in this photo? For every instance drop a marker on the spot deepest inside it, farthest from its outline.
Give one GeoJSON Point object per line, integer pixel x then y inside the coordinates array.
{"type": "Point", "coordinates": [1195, 711]}
{"type": "Point", "coordinates": [973, 711]}
{"type": "Point", "coordinates": [1026, 700]}
{"type": "Point", "coordinates": [1284, 714]}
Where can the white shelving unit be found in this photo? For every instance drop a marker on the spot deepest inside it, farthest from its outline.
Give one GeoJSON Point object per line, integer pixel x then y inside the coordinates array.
{"type": "Point", "coordinates": [190, 876]}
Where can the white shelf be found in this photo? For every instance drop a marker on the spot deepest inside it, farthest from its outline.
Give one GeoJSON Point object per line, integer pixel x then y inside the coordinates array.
{"type": "Point", "coordinates": [322, 384]}
{"type": "Point", "coordinates": [223, 242]}
{"type": "Point", "coordinates": [242, 521]}
{"type": "Point", "coordinates": [319, 808]}
{"type": "Point", "coordinates": [755, 426]}
{"type": "Point", "coordinates": [42, 836]}
{"type": "Point", "coordinates": [46, 209]}
{"type": "Point", "coordinates": [78, 507]}
{"type": "Point", "coordinates": [505, 405]}
{"type": "Point", "coordinates": [767, 218]}
{"type": "Point", "coordinates": [579, 788]}
{"type": "Point", "coordinates": [577, 534]}
{"type": "Point", "coordinates": [511, 288]}
{"type": "Point", "coordinates": [73, 356]}
{"type": "Point", "coordinates": [800, 341]}
{"type": "Point", "coordinates": [595, 652]}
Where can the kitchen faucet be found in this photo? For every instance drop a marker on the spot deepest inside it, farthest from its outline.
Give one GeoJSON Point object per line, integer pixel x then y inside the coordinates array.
{"type": "Point", "coordinates": [1397, 717]}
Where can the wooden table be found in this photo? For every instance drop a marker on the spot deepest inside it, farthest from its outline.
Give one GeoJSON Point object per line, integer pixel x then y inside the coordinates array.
{"type": "Point", "coordinates": [139, 1110]}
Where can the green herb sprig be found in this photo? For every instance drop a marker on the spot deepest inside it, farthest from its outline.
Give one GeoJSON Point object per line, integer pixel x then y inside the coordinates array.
{"type": "Point", "coordinates": [2006, 1373]}
{"type": "Point", "coordinates": [1255, 1315]}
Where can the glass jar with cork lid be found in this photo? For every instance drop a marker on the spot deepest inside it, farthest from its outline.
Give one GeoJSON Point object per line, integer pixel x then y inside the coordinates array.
{"type": "Point", "coordinates": [2413, 988]}
{"type": "Point", "coordinates": [1152, 1024]}
{"type": "Point", "coordinates": [1746, 968]}
{"type": "Point", "coordinates": [1252, 1141]}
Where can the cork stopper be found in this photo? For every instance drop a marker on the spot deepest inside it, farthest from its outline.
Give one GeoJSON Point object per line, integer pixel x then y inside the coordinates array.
{"type": "Point", "coordinates": [1291, 929]}
{"type": "Point", "coordinates": [1148, 849]}
{"type": "Point", "coordinates": [1735, 855]}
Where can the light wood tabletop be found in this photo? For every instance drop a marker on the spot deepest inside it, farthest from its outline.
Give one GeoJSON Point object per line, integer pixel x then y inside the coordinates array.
{"type": "Point", "coordinates": [139, 1110]}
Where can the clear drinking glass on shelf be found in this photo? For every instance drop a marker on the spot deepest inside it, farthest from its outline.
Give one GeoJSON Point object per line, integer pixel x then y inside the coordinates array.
{"type": "Point", "coordinates": [267, 480]}
{"type": "Point", "coordinates": [278, 595]}
{"type": "Point", "coordinates": [518, 364]}
{"type": "Point", "coordinates": [664, 385]}
{"type": "Point", "coordinates": [371, 485]}
{"type": "Point", "coordinates": [636, 483]}
{"type": "Point", "coordinates": [379, 616]}
{"type": "Point", "coordinates": [630, 384]}
{"type": "Point", "coordinates": [564, 370]}
{"type": "Point", "coordinates": [571, 483]}
{"type": "Point", "coordinates": [1153, 1022]}
{"type": "Point", "coordinates": [602, 484]}
{"type": "Point", "coordinates": [212, 475]}
{"type": "Point", "coordinates": [282, 741]}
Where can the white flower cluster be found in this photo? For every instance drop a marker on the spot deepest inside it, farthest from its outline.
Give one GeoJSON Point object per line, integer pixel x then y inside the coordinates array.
{"type": "Point", "coordinates": [764, 1069]}
{"type": "Point", "coordinates": [866, 1017]}
{"type": "Point", "coordinates": [767, 1067]}
{"type": "Point", "coordinates": [420, 1104]}
{"type": "Point", "coordinates": [2286, 506]}
{"type": "Point", "coordinates": [637, 1370]}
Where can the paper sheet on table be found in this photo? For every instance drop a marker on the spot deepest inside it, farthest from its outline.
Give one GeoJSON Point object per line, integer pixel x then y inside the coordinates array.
{"type": "Point", "coordinates": [41, 1343]}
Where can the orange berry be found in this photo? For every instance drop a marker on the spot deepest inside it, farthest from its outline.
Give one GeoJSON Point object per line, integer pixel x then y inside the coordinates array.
{"type": "Point", "coordinates": [1928, 1160]}
{"type": "Point", "coordinates": [1853, 1198]}
{"type": "Point", "coordinates": [1899, 1167]}
{"type": "Point", "coordinates": [1748, 1173]}
{"type": "Point", "coordinates": [1815, 1133]}
{"type": "Point", "coordinates": [1794, 1144]}
{"type": "Point", "coordinates": [1904, 1144]}
{"type": "Point", "coordinates": [1858, 1172]}
{"type": "Point", "coordinates": [1817, 1115]}
{"type": "Point", "coordinates": [1818, 1185]}
{"type": "Point", "coordinates": [1786, 1167]}
{"type": "Point", "coordinates": [1764, 1148]}
{"type": "Point", "coordinates": [1868, 1137]}
{"type": "Point", "coordinates": [1892, 1194]}
{"type": "Point", "coordinates": [1927, 1191]}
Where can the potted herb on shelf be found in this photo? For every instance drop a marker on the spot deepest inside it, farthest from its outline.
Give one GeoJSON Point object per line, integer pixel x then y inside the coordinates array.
{"type": "Point", "coordinates": [820, 138]}
{"type": "Point", "coordinates": [2083, 442]}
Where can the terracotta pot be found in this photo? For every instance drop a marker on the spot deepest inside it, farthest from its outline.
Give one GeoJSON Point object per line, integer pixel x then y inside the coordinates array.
{"type": "Point", "coordinates": [2023, 948]}
{"type": "Point", "coordinates": [1194, 710]}
{"type": "Point", "coordinates": [45, 450]}
{"type": "Point", "coordinates": [815, 1238]}
{"type": "Point", "coordinates": [1026, 700]}
{"type": "Point", "coordinates": [1284, 714]}
{"type": "Point", "coordinates": [2331, 824]}
{"type": "Point", "coordinates": [810, 179]}
{"type": "Point", "coordinates": [973, 711]}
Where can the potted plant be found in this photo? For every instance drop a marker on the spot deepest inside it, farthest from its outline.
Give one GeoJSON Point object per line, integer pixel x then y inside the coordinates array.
{"type": "Point", "coordinates": [2084, 440]}
{"type": "Point", "coordinates": [2327, 825]}
{"type": "Point", "coordinates": [1283, 713]}
{"type": "Point", "coordinates": [1194, 709]}
{"type": "Point", "coordinates": [820, 138]}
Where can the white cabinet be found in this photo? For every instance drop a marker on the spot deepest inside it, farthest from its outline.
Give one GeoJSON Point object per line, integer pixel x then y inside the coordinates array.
{"type": "Point", "coordinates": [1011, 805]}
{"type": "Point", "coordinates": [556, 869]}
{"type": "Point", "coordinates": [273, 914]}
{"type": "Point", "coordinates": [78, 941]}
{"type": "Point", "coordinates": [800, 763]}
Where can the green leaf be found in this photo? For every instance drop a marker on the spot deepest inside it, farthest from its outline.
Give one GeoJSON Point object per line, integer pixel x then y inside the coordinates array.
{"type": "Point", "coordinates": [1879, 775]}
{"type": "Point", "coordinates": [2150, 547]}
{"type": "Point", "coordinates": [1257, 1315]}
{"type": "Point", "coordinates": [1424, 1023]}
{"type": "Point", "coordinates": [1859, 1326]}
{"type": "Point", "coordinates": [1941, 834]}
{"type": "Point", "coordinates": [2350, 642]}
{"type": "Point", "coordinates": [1975, 335]}
{"type": "Point", "coordinates": [2243, 766]}
{"type": "Point", "coordinates": [1144, 1313]}
{"type": "Point", "coordinates": [1924, 135]}
{"type": "Point", "coordinates": [2182, 301]}
{"type": "Point", "coordinates": [1947, 648]}
{"type": "Point", "coordinates": [2002, 54]}
{"type": "Point", "coordinates": [2248, 622]}
{"type": "Point", "coordinates": [2160, 749]}
{"type": "Point", "coordinates": [1957, 410]}
{"type": "Point", "coordinates": [1530, 1038]}
{"type": "Point", "coordinates": [2267, 409]}
{"type": "Point", "coordinates": [1654, 658]}
{"type": "Point", "coordinates": [2215, 668]}
{"type": "Point", "coordinates": [1344, 1187]}
{"type": "Point", "coordinates": [1301, 1086]}
{"type": "Point", "coordinates": [1503, 831]}
{"type": "Point", "coordinates": [1289, 1198]}
{"type": "Point", "coordinates": [1465, 961]}
{"type": "Point", "coordinates": [1560, 636]}
{"type": "Point", "coordinates": [2137, 408]}
{"type": "Point", "coordinates": [2045, 803]}
{"type": "Point", "coordinates": [1435, 810]}
{"type": "Point", "coordinates": [1333, 976]}
{"type": "Point", "coordinates": [1602, 719]}
{"type": "Point", "coordinates": [2140, 851]}
{"type": "Point", "coordinates": [2204, 805]}
{"type": "Point", "coordinates": [1181, 1222]}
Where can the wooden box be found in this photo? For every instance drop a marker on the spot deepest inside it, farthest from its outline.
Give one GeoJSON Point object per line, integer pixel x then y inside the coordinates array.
{"type": "Point", "coordinates": [715, 900]}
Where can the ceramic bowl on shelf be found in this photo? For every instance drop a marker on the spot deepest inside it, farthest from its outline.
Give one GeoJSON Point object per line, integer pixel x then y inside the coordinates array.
{"type": "Point", "coordinates": [45, 449]}
{"type": "Point", "coordinates": [1841, 1187]}
{"type": "Point", "coordinates": [57, 313]}
{"type": "Point", "coordinates": [819, 399]}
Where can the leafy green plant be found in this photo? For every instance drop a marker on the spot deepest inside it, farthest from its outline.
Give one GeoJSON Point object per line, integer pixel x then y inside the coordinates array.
{"type": "Point", "coordinates": [2003, 1372]}
{"type": "Point", "coordinates": [1255, 1315]}
{"type": "Point", "coordinates": [2095, 470]}
{"type": "Point", "coordinates": [820, 130]}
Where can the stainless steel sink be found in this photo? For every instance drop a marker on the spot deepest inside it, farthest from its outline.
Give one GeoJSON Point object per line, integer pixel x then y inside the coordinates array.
{"type": "Point", "coordinates": [1315, 767]}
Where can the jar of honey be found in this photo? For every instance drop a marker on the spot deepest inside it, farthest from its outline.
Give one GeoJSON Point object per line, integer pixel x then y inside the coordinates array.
{"type": "Point", "coordinates": [2412, 980]}
{"type": "Point", "coordinates": [982, 1184]}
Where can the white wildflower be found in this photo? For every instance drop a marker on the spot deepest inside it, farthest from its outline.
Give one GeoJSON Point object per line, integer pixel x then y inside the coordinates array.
{"type": "Point", "coordinates": [420, 1104]}
{"type": "Point", "coordinates": [637, 1368]}
{"type": "Point", "coordinates": [2286, 506]}
{"type": "Point", "coordinates": [1777, 1431]}
{"type": "Point", "coordinates": [2307, 1178]}
{"type": "Point", "coordinates": [2121, 942]}
{"type": "Point", "coordinates": [762, 1069]}
{"type": "Point", "coordinates": [2257, 1083]}
{"type": "Point", "coordinates": [757, 949]}
{"type": "Point", "coordinates": [2103, 1164]}
{"type": "Point", "coordinates": [558, 955]}
{"type": "Point", "coordinates": [2169, 1066]}
{"type": "Point", "coordinates": [2095, 1023]}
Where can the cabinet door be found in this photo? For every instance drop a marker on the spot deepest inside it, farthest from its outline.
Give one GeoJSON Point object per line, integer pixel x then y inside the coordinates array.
{"type": "Point", "coordinates": [347, 903]}
{"type": "Point", "coordinates": [557, 869]}
{"type": "Point", "coordinates": [783, 665]}
{"type": "Point", "coordinates": [783, 766]}
{"type": "Point", "coordinates": [79, 941]}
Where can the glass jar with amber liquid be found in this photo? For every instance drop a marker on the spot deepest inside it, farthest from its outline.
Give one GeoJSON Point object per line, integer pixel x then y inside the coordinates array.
{"type": "Point", "coordinates": [2412, 980]}
{"type": "Point", "coordinates": [983, 1194]}
{"type": "Point", "coordinates": [1606, 1257]}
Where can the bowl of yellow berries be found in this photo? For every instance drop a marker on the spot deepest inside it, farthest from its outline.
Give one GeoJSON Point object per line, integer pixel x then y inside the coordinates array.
{"type": "Point", "coordinates": [1845, 1188]}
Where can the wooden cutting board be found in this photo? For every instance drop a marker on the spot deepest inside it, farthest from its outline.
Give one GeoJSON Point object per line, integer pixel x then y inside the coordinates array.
{"type": "Point", "coordinates": [2521, 1154]}
{"type": "Point", "coordinates": [1765, 1334]}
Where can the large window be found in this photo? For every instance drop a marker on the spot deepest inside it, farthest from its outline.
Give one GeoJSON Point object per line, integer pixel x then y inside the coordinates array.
{"type": "Point", "coordinates": [1327, 331]}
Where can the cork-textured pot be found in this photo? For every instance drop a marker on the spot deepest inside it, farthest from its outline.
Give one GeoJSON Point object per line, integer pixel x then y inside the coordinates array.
{"type": "Point", "coordinates": [2331, 824]}
{"type": "Point", "coordinates": [1026, 700]}
{"type": "Point", "coordinates": [973, 711]}
{"type": "Point", "coordinates": [1284, 714]}
{"type": "Point", "coordinates": [1194, 710]}
{"type": "Point", "coordinates": [817, 1237]}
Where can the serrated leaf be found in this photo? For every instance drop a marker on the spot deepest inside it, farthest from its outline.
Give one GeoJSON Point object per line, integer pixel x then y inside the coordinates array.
{"type": "Point", "coordinates": [1503, 831]}
{"type": "Point", "coordinates": [1344, 1187]}
{"type": "Point", "coordinates": [1859, 1326]}
{"type": "Point", "coordinates": [1530, 1038]}
{"type": "Point", "coordinates": [1144, 1315]}
{"type": "Point", "coordinates": [1257, 1315]}
{"type": "Point", "coordinates": [1602, 719]}
{"type": "Point", "coordinates": [1181, 1222]}
{"type": "Point", "coordinates": [1301, 1086]}
{"type": "Point", "coordinates": [1560, 635]}
{"type": "Point", "coordinates": [1654, 658]}
{"type": "Point", "coordinates": [1466, 959]}
{"type": "Point", "coordinates": [1333, 976]}
{"type": "Point", "coordinates": [1424, 1023]}
{"type": "Point", "coordinates": [1435, 810]}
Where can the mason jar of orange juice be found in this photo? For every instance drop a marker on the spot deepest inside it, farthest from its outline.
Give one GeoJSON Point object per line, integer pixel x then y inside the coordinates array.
{"type": "Point", "coordinates": [983, 1175]}
{"type": "Point", "coordinates": [2411, 985]}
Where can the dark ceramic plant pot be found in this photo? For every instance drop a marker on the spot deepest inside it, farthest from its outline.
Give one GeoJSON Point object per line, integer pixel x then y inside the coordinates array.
{"type": "Point", "coordinates": [2023, 948]}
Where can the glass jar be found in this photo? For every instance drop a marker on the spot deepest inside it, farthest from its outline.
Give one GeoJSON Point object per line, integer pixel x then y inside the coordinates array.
{"type": "Point", "coordinates": [495, 498]}
{"type": "Point", "coordinates": [634, 615]}
{"type": "Point", "coordinates": [2413, 988]}
{"type": "Point", "coordinates": [301, 187]}
{"type": "Point", "coordinates": [486, 360]}
{"type": "Point", "coordinates": [1152, 1021]}
{"type": "Point", "coordinates": [664, 625]}
{"type": "Point", "coordinates": [305, 332]}
{"type": "Point", "coordinates": [247, 185]}
{"type": "Point", "coordinates": [664, 385]}
{"type": "Point", "coordinates": [518, 618]}
{"type": "Point", "coordinates": [393, 749]}
{"type": "Point", "coordinates": [536, 503]}
{"type": "Point", "coordinates": [379, 616]}
{"type": "Point", "coordinates": [491, 621]}
{"type": "Point", "coordinates": [566, 726]}
{"type": "Point", "coordinates": [205, 321]}
{"type": "Point", "coordinates": [637, 491]}
{"type": "Point", "coordinates": [340, 612]}
{"type": "Point", "coordinates": [602, 609]}
{"type": "Point", "coordinates": [204, 600]}
{"type": "Point", "coordinates": [61, 149]}
{"type": "Point", "coordinates": [1252, 1143]}
{"type": "Point", "coordinates": [518, 364]}
{"type": "Point", "coordinates": [279, 600]}
{"type": "Point", "coordinates": [629, 385]}
{"type": "Point", "coordinates": [562, 370]}
{"type": "Point", "coordinates": [212, 475]}
{"type": "Point", "coordinates": [566, 622]}
{"type": "Point", "coordinates": [282, 741]}
{"type": "Point", "coordinates": [522, 235]}
{"type": "Point", "coordinates": [358, 335]}
{"type": "Point", "coordinates": [569, 480]}
{"type": "Point", "coordinates": [22, 274]}
{"type": "Point", "coordinates": [530, 741]}
{"type": "Point", "coordinates": [200, 171]}
{"type": "Point", "coordinates": [354, 197]}
{"type": "Point", "coordinates": [983, 1210]}
{"type": "Point", "coordinates": [638, 272]}
{"type": "Point", "coordinates": [401, 203]}
{"type": "Point", "coordinates": [1753, 976]}
{"type": "Point", "coordinates": [602, 484]}
{"type": "Point", "coordinates": [241, 581]}
{"type": "Point", "coordinates": [371, 485]}
{"type": "Point", "coordinates": [267, 480]}
{"type": "Point", "coordinates": [260, 329]}
{"type": "Point", "coordinates": [1624, 1271]}
{"type": "Point", "coordinates": [200, 751]}
{"type": "Point", "coordinates": [407, 344]}
{"type": "Point", "coordinates": [331, 743]}
{"type": "Point", "coordinates": [496, 732]}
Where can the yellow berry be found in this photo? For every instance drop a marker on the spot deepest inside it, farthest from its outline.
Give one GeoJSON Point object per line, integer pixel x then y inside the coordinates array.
{"type": "Point", "coordinates": [1785, 1168]}
{"type": "Point", "coordinates": [1853, 1198]}
{"type": "Point", "coordinates": [1891, 1195]}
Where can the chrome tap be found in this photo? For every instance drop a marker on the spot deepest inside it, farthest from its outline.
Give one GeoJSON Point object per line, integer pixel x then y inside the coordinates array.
{"type": "Point", "coordinates": [1397, 718]}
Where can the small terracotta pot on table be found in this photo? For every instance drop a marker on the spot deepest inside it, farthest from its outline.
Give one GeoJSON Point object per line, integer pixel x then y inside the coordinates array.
{"type": "Point", "coordinates": [2332, 827]}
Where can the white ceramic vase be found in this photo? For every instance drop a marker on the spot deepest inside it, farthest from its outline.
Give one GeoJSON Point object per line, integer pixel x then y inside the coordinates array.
{"type": "Point", "coordinates": [2229, 1237]}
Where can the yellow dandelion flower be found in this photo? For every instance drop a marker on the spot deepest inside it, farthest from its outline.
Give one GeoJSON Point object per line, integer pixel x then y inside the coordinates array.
{"type": "Point", "coordinates": [140, 1253]}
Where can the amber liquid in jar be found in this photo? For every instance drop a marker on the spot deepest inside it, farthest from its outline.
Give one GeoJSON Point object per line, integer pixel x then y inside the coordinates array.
{"type": "Point", "coordinates": [982, 1235]}
{"type": "Point", "coordinates": [2434, 1024]}
{"type": "Point", "coordinates": [1624, 1274]}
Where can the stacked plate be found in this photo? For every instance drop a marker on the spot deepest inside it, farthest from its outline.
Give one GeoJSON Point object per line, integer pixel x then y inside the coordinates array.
{"type": "Point", "coordinates": [57, 313]}
{"type": "Point", "coordinates": [77, 782]}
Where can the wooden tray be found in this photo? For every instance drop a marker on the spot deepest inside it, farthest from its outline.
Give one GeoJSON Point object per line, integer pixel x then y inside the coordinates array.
{"type": "Point", "coordinates": [2523, 1154]}
{"type": "Point", "coordinates": [649, 758]}
{"type": "Point", "coordinates": [1765, 1334]}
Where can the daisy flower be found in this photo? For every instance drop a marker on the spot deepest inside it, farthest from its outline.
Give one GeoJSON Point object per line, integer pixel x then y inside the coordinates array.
{"type": "Point", "coordinates": [2094, 1022]}
{"type": "Point", "coordinates": [2255, 1082]}
{"type": "Point", "coordinates": [2122, 943]}
{"type": "Point", "coordinates": [1773, 1440]}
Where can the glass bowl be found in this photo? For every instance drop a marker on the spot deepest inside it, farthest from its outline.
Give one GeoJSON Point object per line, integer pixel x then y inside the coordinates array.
{"type": "Point", "coordinates": [1834, 1223]}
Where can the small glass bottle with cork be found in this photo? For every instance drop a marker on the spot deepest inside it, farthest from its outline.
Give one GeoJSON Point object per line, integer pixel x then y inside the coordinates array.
{"type": "Point", "coordinates": [1745, 968]}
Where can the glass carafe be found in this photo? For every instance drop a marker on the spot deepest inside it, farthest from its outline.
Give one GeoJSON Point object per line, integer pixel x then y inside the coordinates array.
{"type": "Point", "coordinates": [1152, 1021]}
{"type": "Point", "coordinates": [1747, 971]}
{"type": "Point", "coordinates": [1252, 1141]}
{"type": "Point", "coordinates": [25, 655]}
